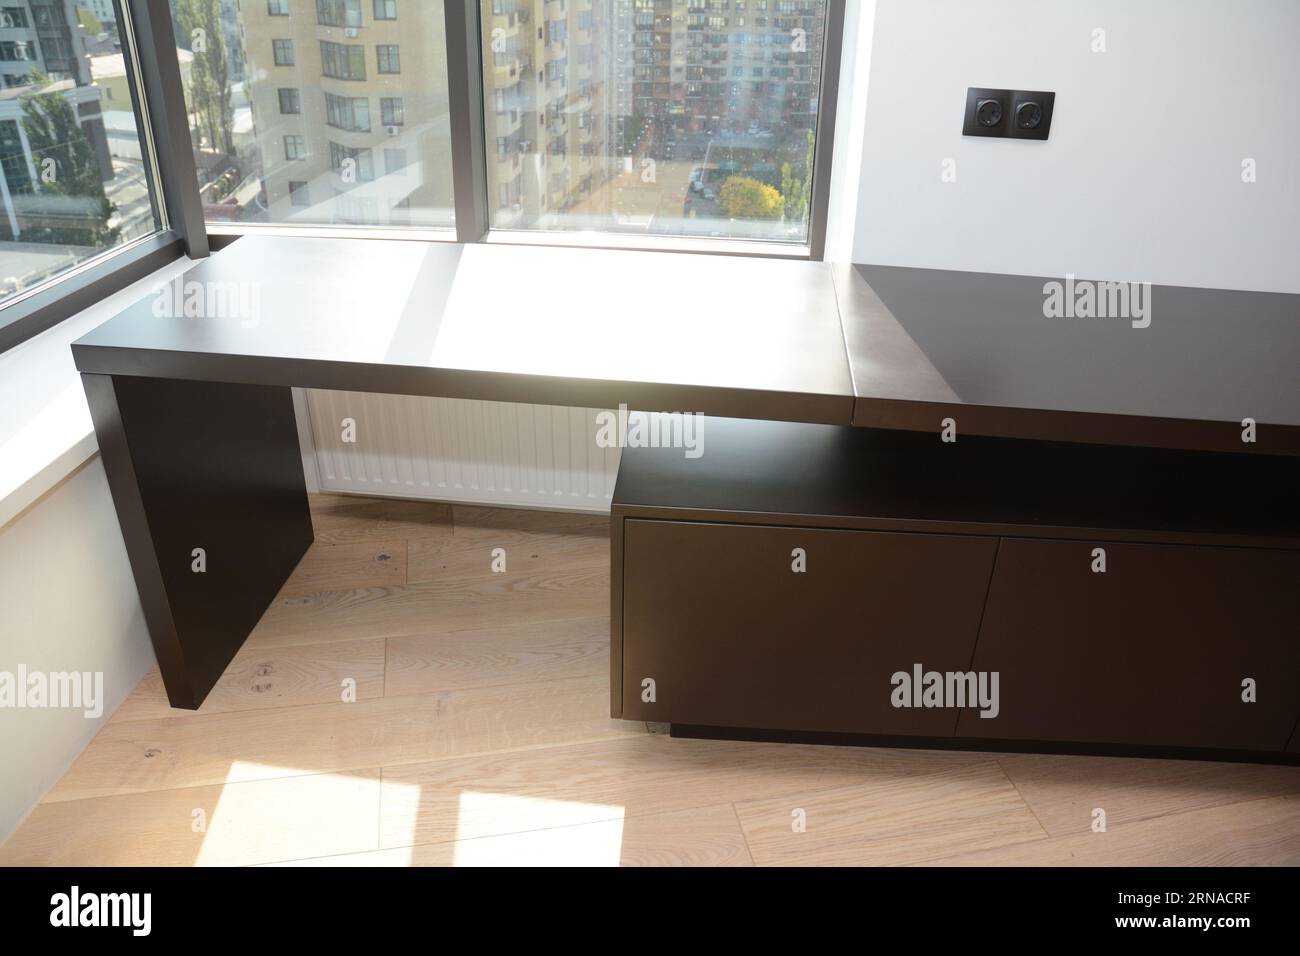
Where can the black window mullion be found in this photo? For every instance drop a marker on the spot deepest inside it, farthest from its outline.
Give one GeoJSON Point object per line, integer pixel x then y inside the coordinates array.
{"type": "Point", "coordinates": [828, 91]}
{"type": "Point", "coordinates": [151, 32]}
{"type": "Point", "coordinates": [465, 89]}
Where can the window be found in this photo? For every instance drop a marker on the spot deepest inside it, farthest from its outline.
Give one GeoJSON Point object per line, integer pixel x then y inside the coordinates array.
{"type": "Point", "coordinates": [352, 164]}
{"type": "Point", "coordinates": [390, 110]}
{"type": "Point", "coordinates": [78, 181]}
{"type": "Point", "coordinates": [658, 118]}
{"type": "Point", "coordinates": [394, 160]}
{"type": "Point", "coordinates": [302, 122]}
{"type": "Point", "coordinates": [342, 61]}
{"type": "Point", "coordinates": [17, 50]}
{"type": "Point", "coordinates": [13, 18]}
{"type": "Point", "coordinates": [703, 130]}
{"type": "Point", "coordinates": [347, 112]}
{"type": "Point", "coordinates": [388, 58]}
{"type": "Point", "coordinates": [338, 13]}
{"type": "Point", "coordinates": [283, 51]}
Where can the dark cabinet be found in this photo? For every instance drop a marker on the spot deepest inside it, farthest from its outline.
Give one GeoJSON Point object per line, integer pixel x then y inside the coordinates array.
{"type": "Point", "coordinates": [733, 636]}
{"type": "Point", "coordinates": [1158, 649]}
{"type": "Point", "coordinates": [968, 560]}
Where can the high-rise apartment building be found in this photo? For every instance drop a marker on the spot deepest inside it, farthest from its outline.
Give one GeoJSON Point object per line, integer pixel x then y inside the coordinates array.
{"type": "Point", "coordinates": [730, 64]}
{"type": "Point", "coordinates": [624, 114]}
{"type": "Point", "coordinates": [601, 113]}
{"type": "Point", "coordinates": [41, 36]}
{"type": "Point", "coordinates": [349, 104]}
{"type": "Point", "coordinates": [548, 106]}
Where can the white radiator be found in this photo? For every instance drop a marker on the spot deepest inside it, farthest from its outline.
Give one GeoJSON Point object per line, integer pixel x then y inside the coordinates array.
{"type": "Point", "coordinates": [497, 453]}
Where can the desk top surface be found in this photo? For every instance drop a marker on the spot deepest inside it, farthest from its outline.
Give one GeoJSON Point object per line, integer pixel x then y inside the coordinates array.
{"type": "Point", "coordinates": [691, 331]}
{"type": "Point", "coordinates": [722, 335]}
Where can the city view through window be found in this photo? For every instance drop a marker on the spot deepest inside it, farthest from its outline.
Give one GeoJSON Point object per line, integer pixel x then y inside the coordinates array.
{"type": "Point", "coordinates": [687, 118]}
{"type": "Point", "coordinates": [74, 181]}
{"type": "Point", "coordinates": [318, 112]}
{"type": "Point", "coordinates": [671, 117]}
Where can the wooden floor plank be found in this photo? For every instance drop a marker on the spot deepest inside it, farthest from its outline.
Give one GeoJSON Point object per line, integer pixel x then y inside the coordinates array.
{"type": "Point", "coordinates": [485, 657]}
{"type": "Point", "coordinates": [890, 821]}
{"type": "Point", "coordinates": [365, 564]}
{"type": "Point", "coordinates": [705, 836]}
{"type": "Point", "coordinates": [1063, 791]}
{"type": "Point", "coordinates": [473, 517]}
{"type": "Point", "coordinates": [1255, 833]}
{"type": "Point", "coordinates": [233, 825]}
{"type": "Point", "coordinates": [350, 519]}
{"type": "Point", "coordinates": [264, 678]}
{"type": "Point", "coordinates": [437, 607]}
{"type": "Point", "coordinates": [200, 750]}
{"type": "Point", "coordinates": [450, 800]}
{"type": "Point", "coordinates": [478, 551]}
{"type": "Point", "coordinates": [484, 698]}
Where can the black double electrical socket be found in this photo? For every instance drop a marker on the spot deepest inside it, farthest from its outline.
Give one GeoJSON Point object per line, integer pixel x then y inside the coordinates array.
{"type": "Point", "coordinates": [1011, 114]}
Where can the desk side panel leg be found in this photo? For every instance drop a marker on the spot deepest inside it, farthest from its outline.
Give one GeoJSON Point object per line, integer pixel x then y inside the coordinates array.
{"type": "Point", "coordinates": [211, 466]}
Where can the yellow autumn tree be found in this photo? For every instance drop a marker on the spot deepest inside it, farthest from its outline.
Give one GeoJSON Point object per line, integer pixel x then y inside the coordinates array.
{"type": "Point", "coordinates": [745, 198]}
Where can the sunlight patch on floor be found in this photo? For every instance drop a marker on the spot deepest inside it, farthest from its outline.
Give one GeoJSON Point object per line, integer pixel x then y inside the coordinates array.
{"type": "Point", "coordinates": [290, 816]}
{"type": "Point", "coordinates": [537, 831]}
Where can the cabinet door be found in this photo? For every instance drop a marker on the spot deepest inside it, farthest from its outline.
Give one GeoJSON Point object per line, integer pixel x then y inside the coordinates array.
{"type": "Point", "coordinates": [1154, 650]}
{"type": "Point", "coordinates": [733, 636]}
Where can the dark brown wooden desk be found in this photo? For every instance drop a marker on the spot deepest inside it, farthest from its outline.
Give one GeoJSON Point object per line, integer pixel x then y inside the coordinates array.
{"type": "Point", "coordinates": [193, 411]}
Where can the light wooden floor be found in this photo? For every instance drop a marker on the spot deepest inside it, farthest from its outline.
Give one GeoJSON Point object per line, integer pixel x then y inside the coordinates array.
{"type": "Point", "coordinates": [480, 734]}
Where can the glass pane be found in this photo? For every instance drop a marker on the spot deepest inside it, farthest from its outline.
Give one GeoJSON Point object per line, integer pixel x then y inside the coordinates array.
{"type": "Point", "coordinates": [318, 112]}
{"type": "Point", "coordinates": [657, 117]}
{"type": "Point", "coordinates": [75, 180]}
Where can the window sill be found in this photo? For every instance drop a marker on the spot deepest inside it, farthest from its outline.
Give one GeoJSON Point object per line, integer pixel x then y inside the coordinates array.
{"type": "Point", "coordinates": [45, 427]}
{"type": "Point", "coordinates": [289, 230]}
{"type": "Point", "coordinates": [637, 242]}
{"type": "Point", "coordinates": [757, 248]}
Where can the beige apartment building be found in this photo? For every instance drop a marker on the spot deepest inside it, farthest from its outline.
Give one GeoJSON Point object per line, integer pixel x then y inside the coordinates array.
{"type": "Point", "coordinates": [547, 106]}
{"type": "Point", "coordinates": [582, 94]}
{"type": "Point", "coordinates": [349, 102]}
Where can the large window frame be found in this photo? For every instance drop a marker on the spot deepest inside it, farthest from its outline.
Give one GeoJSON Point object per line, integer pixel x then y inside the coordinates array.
{"type": "Point", "coordinates": [472, 202]}
{"type": "Point", "coordinates": [464, 65]}
{"type": "Point", "coordinates": [155, 79]}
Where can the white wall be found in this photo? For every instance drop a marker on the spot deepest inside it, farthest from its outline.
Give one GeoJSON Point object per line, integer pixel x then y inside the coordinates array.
{"type": "Point", "coordinates": [67, 603]}
{"type": "Point", "coordinates": [850, 128]}
{"type": "Point", "coordinates": [1141, 179]}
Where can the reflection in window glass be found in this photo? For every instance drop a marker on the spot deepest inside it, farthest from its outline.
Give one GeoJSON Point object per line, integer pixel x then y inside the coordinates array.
{"type": "Point", "coordinates": [299, 110]}
{"type": "Point", "coordinates": [74, 181]}
{"type": "Point", "coordinates": [662, 117]}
